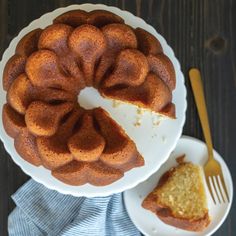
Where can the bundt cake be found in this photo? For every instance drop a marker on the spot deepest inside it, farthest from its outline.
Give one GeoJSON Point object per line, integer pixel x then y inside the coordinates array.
{"type": "Point", "coordinates": [179, 198]}
{"type": "Point", "coordinates": [50, 68]}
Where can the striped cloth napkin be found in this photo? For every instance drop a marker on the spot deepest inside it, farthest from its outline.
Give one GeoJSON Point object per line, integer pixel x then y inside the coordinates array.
{"type": "Point", "coordinates": [41, 211]}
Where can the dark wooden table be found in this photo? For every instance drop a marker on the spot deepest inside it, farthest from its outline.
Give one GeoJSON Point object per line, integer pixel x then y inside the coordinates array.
{"type": "Point", "coordinates": [202, 34]}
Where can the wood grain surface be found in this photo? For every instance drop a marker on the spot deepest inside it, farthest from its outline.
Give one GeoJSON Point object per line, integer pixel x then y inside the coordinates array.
{"type": "Point", "coordinates": [202, 34]}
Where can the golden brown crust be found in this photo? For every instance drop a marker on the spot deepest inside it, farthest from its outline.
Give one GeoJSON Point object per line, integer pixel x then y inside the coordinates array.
{"type": "Point", "coordinates": [86, 144]}
{"type": "Point", "coordinates": [88, 43]}
{"type": "Point", "coordinates": [196, 225]}
{"type": "Point", "coordinates": [120, 151]}
{"type": "Point", "coordinates": [43, 70]}
{"type": "Point", "coordinates": [17, 95]}
{"type": "Point", "coordinates": [98, 18]}
{"type": "Point", "coordinates": [165, 213]}
{"type": "Point", "coordinates": [54, 37]}
{"type": "Point", "coordinates": [153, 95]}
{"type": "Point", "coordinates": [163, 67]}
{"type": "Point", "coordinates": [169, 110]}
{"type": "Point", "coordinates": [147, 43]}
{"type": "Point", "coordinates": [26, 146]}
{"type": "Point", "coordinates": [13, 68]}
{"type": "Point", "coordinates": [136, 161]}
{"type": "Point", "coordinates": [13, 122]}
{"type": "Point", "coordinates": [73, 18]}
{"type": "Point", "coordinates": [54, 150]}
{"type": "Point", "coordinates": [22, 93]}
{"type": "Point", "coordinates": [79, 173]}
{"type": "Point", "coordinates": [16, 64]}
{"type": "Point", "coordinates": [29, 43]}
{"type": "Point", "coordinates": [114, 35]}
{"type": "Point", "coordinates": [131, 69]}
{"type": "Point", "coordinates": [43, 119]}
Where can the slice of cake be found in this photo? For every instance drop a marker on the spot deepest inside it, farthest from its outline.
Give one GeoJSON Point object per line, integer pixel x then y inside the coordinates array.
{"type": "Point", "coordinates": [179, 198]}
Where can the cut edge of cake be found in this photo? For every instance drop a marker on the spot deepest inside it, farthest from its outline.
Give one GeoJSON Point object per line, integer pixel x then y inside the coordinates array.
{"type": "Point", "coordinates": [166, 213]}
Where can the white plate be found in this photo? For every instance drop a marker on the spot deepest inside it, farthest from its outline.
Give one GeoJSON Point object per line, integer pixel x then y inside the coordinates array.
{"type": "Point", "coordinates": [148, 223]}
{"type": "Point", "coordinates": [154, 142]}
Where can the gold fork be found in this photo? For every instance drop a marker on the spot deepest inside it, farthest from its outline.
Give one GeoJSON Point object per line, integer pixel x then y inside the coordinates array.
{"type": "Point", "coordinates": [212, 168]}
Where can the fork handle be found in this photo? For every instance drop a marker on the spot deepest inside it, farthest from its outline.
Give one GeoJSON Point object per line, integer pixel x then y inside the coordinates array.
{"type": "Point", "coordinates": [196, 83]}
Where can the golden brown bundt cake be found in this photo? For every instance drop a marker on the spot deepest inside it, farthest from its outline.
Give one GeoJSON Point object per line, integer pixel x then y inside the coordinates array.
{"type": "Point", "coordinates": [50, 68]}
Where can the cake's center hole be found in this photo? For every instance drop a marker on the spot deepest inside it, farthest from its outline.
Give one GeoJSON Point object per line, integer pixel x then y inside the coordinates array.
{"type": "Point", "coordinates": [90, 98]}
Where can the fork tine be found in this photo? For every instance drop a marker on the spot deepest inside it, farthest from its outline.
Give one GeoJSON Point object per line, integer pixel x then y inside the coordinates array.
{"type": "Point", "coordinates": [223, 185]}
{"type": "Point", "coordinates": [220, 189]}
{"type": "Point", "coordinates": [214, 186]}
{"type": "Point", "coordinates": [209, 188]}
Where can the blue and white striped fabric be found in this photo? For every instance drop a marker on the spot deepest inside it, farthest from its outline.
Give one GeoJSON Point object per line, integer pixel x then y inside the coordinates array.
{"type": "Point", "coordinates": [41, 211]}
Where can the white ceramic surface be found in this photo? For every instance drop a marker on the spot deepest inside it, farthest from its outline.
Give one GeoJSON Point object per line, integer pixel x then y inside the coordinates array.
{"type": "Point", "coordinates": [148, 223]}
{"type": "Point", "coordinates": [154, 142]}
